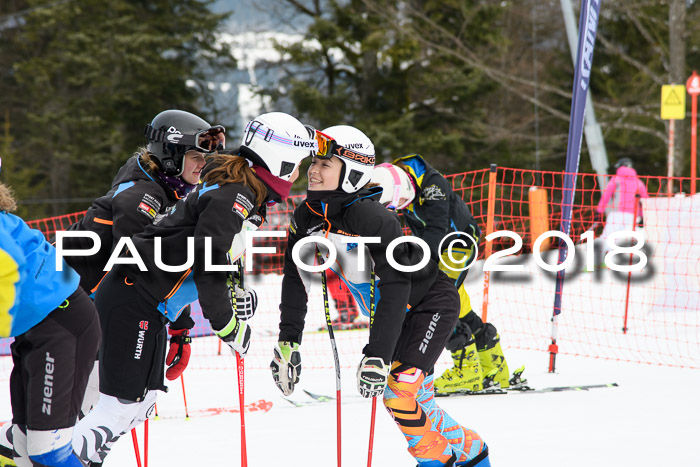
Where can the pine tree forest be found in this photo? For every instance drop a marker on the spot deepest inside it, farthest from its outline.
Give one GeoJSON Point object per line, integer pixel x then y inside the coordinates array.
{"type": "Point", "coordinates": [465, 83]}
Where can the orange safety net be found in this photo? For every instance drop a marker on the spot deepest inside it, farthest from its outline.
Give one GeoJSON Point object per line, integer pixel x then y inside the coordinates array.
{"type": "Point", "coordinates": [658, 307]}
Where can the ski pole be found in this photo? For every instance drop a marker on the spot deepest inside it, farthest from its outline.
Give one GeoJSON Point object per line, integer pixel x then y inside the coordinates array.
{"type": "Point", "coordinates": [136, 447]}
{"type": "Point", "coordinates": [184, 395]}
{"type": "Point", "coordinates": [371, 431]}
{"type": "Point", "coordinates": [145, 443]}
{"type": "Point", "coordinates": [335, 358]}
{"type": "Point", "coordinates": [374, 399]}
{"type": "Point", "coordinates": [240, 371]}
{"type": "Point", "coordinates": [241, 403]}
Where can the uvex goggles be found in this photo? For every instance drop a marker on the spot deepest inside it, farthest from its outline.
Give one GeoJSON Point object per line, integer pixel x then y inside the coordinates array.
{"type": "Point", "coordinates": [206, 141]}
{"type": "Point", "coordinates": [329, 147]}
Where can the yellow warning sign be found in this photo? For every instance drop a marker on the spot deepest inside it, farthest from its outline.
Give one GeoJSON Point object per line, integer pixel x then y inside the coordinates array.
{"type": "Point", "coordinates": [673, 102]}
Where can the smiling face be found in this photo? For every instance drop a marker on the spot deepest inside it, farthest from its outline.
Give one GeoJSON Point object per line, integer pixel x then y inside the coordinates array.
{"type": "Point", "coordinates": [193, 165]}
{"type": "Point", "coordinates": [324, 174]}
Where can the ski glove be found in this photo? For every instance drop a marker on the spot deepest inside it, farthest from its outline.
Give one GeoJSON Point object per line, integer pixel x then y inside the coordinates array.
{"type": "Point", "coordinates": [286, 366]}
{"type": "Point", "coordinates": [243, 301]}
{"type": "Point", "coordinates": [178, 353]}
{"type": "Point", "coordinates": [372, 375]}
{"type": "Point", "coordinates": [237, 335]}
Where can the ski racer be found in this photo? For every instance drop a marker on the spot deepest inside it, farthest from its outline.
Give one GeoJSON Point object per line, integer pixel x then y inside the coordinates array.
{"type": "Point", "coordinates": [57, 333]}
{"type": "Point", "coordinates": [622, 190]}
{"type": "Point", "coordinates": [135, 304]}
{"type": "Point", "coordinates": [415, 312]}
{"type": "Point", "coordinates": [433, 211]}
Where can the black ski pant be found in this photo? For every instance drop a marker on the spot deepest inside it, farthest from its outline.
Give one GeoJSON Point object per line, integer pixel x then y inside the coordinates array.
{"type": "Point", "coordinates": [52, 363]}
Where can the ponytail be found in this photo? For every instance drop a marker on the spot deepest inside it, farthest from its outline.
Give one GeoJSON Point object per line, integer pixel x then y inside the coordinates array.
{"type": "Point", "coordinates": [234, 169]}
{"type": "Point", "coordinates": [7, 200]}
{"type": "Point", "coordinates": [147, 161]}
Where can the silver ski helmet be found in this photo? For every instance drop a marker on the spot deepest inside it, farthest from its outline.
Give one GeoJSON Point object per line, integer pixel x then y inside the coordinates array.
{"type": "Point", "coordinates": [277, 142]}
{"type": "Point", "coordinates": [174, 132]}
{"type": "Point", "coordinates": [353, 148]}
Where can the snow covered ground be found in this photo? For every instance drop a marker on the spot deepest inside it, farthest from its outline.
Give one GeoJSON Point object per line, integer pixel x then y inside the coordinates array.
{"type": "Point", "coordinates": [649, 420]}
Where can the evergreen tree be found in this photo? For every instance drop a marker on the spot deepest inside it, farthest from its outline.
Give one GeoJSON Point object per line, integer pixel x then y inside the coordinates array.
{"type": "Point", "coordinates": [87, 76]}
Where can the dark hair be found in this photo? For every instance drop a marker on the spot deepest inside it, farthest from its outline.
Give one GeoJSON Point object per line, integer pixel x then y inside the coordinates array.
{"type": "Point", "coordinates": [625, 161]}
{"type": "Point", "coordinates": [234, 169]}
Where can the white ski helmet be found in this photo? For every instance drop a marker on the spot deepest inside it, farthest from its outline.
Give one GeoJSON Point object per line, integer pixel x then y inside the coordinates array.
{"type": "Point", "coordinates": [352, 147]}
{"type": "Point", "coordinates": [396, 184]}
{"type": "Point", "coordinates": [278, 142]}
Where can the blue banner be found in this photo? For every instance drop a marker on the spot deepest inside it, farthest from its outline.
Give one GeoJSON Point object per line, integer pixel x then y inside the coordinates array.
{"type": "Point", "coordinates": [587, 28]}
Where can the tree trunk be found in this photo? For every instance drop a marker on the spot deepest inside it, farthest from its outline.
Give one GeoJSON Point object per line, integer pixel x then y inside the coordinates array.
{"type": "Point", "coordinates": [676, 32]}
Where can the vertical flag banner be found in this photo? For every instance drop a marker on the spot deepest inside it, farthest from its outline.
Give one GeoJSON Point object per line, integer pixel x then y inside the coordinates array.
{"type": "Point", "coordinates": [587, 28]}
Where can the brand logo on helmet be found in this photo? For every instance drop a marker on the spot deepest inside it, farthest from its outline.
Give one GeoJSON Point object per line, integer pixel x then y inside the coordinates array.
{"type": "Point", "coordinates": [304, 144]}
{"type": "Point", "coordinates": [354, 156]}
{"type": "Point", "coordinates": [355, 146]}
{"type": "Point", "coordinates": [174, 138]}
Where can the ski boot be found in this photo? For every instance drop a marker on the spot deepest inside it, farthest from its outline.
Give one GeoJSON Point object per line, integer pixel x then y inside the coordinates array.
{"type": "Point", "coordinates": [6, 461]}
{"type": "Point", "coordinates": [466, 375]}
{"type": "Point", "coordinates": [6, 450]}
{"type": "Point", "coordinates": [492, 358]}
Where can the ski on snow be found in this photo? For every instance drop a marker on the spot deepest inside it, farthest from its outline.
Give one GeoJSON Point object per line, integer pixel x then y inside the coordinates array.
{"type": "Point", "coordinates": [316, 398]}
{"type": "Point", "coordinates": [527, 390]}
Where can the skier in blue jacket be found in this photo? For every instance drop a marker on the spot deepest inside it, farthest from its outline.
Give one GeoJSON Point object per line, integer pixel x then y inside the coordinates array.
{"type": "Point", "coordinates": [57, 333]}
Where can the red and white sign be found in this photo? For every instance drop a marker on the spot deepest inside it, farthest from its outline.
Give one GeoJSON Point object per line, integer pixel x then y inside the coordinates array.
{"type": "Point", "coordinates": [693, 84]}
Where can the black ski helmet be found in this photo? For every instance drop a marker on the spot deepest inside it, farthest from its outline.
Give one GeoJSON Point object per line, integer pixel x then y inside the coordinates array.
{"type": "Point", "coordinates": [174, 132]}
{"type": "Point", "coordinates": [625, 161]}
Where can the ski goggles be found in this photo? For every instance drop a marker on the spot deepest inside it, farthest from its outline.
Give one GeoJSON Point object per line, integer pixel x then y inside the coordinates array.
{"type": "Point", "coordinates": [329, 147]}
{"type": "Point", "coordinates": [206, 141]}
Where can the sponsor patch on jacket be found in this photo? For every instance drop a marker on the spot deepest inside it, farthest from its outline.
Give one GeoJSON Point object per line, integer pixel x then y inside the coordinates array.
{"type": "Point", "coordinates": [149, 206]}
{"type": "Point", "coordinates": [433, 193]}
{"type": "Point", "coordinates": [240, 210]}
{"type": "Point", "coordinates": [243, 201]}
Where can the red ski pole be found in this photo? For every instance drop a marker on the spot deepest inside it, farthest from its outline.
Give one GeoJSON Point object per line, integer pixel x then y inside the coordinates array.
{"type": "Point", "coordinates": [241, 403]}
{"type": "Point", "coordinates": [374, 399]}
{"type": "Point", "coordinates": [240, 368]}
{"type": "Point", "coordinates": [184, 395]}
{"type": "Point", "coordinates": [136, 447]}
{"type": "Point", "coordinates": [145, 443]}
{"type": "Point", "coordinates": [337, 364]}
{"type": "Point", "coordinates": [371, 432]}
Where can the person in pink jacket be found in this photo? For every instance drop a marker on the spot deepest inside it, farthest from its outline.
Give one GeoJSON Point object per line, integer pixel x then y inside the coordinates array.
{"type": "Point", "coordinates": [620, 193]}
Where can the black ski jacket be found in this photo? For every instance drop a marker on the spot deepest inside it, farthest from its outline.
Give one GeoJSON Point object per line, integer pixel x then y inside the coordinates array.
{"type": "Point", "coordinates": [436, 210]}
{"type": "Point", "coordinates": [340, 217]}
{"type": "Point", "coordinates": [210, 214]}
{"type": "Point", "coordinates": [135, 201]}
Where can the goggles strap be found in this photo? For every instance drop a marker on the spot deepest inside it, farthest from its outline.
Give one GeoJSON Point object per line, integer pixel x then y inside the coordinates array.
{"type": "Point", "coordinates": [256, 129]}
{"type": "Point", "coordinates": [397, 185]}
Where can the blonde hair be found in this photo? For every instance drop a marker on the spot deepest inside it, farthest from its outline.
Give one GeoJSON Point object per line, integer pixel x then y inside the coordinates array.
{"type": "Point", "coordinates": [234, 169]}
{"type": "Point", "coordinates": [7, 199]}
